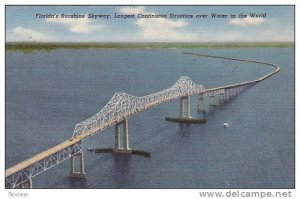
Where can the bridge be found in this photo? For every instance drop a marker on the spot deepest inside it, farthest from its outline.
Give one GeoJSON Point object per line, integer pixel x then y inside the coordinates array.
{"type": "Point", "coordinates": [116, 113]}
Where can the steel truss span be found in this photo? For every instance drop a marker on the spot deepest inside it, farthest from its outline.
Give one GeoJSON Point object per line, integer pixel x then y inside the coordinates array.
{"type": "Point", "coordinates": [25, 174]}
{"type": "Point", "coordinates": [123, 105]}
{"type": "Point", "coordinates": [119, 108]}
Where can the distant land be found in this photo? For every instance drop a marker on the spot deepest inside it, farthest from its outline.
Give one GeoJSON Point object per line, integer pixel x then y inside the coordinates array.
{"type": "Point", "coordinates": [47, 46]}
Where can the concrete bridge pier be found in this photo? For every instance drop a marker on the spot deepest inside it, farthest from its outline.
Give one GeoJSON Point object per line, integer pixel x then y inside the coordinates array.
{"type": "Point", "coordinates": [122, 146]}
{"type": "Point", "coordinates": [117, 136]}
{"type": "Point", "coordinates": [226, 95]}
{"type": "Point", "coordinates": [240, 89]}
{"type": "Point", "coordinates": [185, 113]}
{"type": "Point", "coordinates": [201, 104]}
{"type": "Point", "coordinates": [81, 172]}
{"type": "Point", "coordinates": [181, 107]}
{"type": "Point", "coordinates": [118, 148]}
{"type": "Point", "coordinates": [212, 100]}
{"type": "Point", "coordinates": [26, 185]}
{"type": "Point", "coordinates": [221, 99]}
{"type": "Point", "coordinates": [126, 137]}
{"type": "Point", "coordinates": [201, 107]}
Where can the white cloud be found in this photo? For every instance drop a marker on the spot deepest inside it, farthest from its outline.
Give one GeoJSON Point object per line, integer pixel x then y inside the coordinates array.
{"type": "Point", "coordinates": [76, 25]}
{"type": "Point", "coordinates": [132, 9]}
{"type": "Point", "coordinates": [247, 21]}
{"type": "Point", "coordinates": [159, 29]}
{"type": "Point", "coordinates": [20, 33]}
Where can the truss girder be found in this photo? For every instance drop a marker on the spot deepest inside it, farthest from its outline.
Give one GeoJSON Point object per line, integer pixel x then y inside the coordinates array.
{"type": "Point", "coordinates": [37, 168]}
{"type": "Point", "coordinates": [123, 105]}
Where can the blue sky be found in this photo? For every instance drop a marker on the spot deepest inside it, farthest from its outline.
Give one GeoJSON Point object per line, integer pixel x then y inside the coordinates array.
{"type": "Point", "coordinates": [22, 24]}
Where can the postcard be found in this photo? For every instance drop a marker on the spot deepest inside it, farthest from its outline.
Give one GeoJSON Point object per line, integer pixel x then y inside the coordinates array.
{"type": "Point", "coordinates": [150, 97]}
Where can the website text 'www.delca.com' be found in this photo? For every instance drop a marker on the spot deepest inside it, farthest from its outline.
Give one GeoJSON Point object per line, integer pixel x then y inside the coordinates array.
{"type": "Point", "coordinates": [245, 194]}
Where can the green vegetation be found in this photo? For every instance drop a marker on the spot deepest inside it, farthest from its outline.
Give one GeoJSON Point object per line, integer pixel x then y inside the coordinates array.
{"type": "Point", "coordinates": [28, 47]}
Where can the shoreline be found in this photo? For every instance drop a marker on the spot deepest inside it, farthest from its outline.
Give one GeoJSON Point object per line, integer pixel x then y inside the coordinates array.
{"type": "Point", "coordinates": [48, 46]}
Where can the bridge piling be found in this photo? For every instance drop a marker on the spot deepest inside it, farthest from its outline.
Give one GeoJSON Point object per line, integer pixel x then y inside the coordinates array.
{"type": "Point", "coordinates": [74, 173]}
{"type": "Point", "coordinates": [181, 107]}
{"type": "Point", "coordinates": [212, 100]}
{"type": "Point", "coordinates": [185, 113]}
{"type": "Point", "coordinates": [26, 185]}
{"type": "Point", "coordinates": [201, 103]}
{"type": "Point", "coordinates": [118, 148]}
{"type": "Point", "coordinates": [221, 99]}
{"type": "Point", "coordinates": [225, 95]}
{"type": "Point", "coordinates": [126, 138]}
{"type": "Point", "coordinates": [117, 136]}
{"type": "Point", "coordinates": [188, 114]}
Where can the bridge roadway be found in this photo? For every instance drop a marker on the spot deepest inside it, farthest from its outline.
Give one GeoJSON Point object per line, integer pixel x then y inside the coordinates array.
{"type": "Point", "coordinates": [77, 139]}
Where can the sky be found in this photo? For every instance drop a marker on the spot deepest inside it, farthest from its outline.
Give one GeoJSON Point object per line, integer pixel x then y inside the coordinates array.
{"type": "Point", "coordinates": [23, 25]}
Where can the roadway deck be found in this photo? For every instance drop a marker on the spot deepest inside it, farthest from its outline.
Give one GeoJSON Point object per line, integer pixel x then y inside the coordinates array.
{"type": "Point", "coordinates": [34, 159]}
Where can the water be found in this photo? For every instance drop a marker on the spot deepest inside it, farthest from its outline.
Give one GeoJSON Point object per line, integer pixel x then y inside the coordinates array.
{"type": "Point", "coordinates": [47, 93]}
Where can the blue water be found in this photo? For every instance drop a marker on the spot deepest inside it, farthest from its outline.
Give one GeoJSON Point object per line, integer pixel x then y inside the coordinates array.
{"type": "Point", "coordinates": [47, 93]}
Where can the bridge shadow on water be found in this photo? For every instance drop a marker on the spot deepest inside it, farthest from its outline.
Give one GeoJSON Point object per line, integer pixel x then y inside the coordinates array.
{"type": "Point", "coordinates": [76, 182]}
{"type": "Point", "coordinates": [184, 131]}
{"type": "Point", "coordinates": [184, 127]}
{"type": "Point", "coordinates": [122, 168]}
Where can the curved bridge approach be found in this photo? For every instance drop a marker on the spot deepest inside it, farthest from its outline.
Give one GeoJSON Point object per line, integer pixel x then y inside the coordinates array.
{"type": "Point", "coordinates": [115, 113]}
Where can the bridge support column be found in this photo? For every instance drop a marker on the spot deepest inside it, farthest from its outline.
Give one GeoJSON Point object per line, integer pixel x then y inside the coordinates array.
{"type": "Point", "coordinates": [117, 136]}
{"type": "Point", "coordinates": [221, 99]}
{"type": "Point", "coordinates": [123, 146]}
{"type": "Point", "coordinates": [30, 183]}
{"type": "Point", "coordinates": [126, 138]}
{"type": "Point", "coordinates": [201, 104]}
{"type": "Point", "coordinates": [226, 95]}
{"type": "Point", "coordinates": [26, 185]}
{"type": "Point", "coordinates": [188, 111]}
{"type": "Point", "coordinates": [74, 173]}
{"type": "Point", "coordinates": [118, 148]}
{"type": "Point", "coordinates": [182, 107]}
{"type": "Point", "coordinates": [212, 100]}
{"type": "Point", "coordinates": [185, 113]}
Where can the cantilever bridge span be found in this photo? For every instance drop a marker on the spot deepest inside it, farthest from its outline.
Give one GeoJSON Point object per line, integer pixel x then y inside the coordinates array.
{"type": "Point", "coordinates": [115, 113]}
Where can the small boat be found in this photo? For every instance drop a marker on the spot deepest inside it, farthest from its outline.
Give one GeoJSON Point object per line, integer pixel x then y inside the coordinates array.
{"type": "Point", "coordinates": [225, 125]}
{"type": "Point", "coordinates": [91, 149]}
